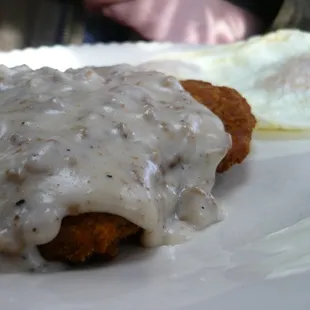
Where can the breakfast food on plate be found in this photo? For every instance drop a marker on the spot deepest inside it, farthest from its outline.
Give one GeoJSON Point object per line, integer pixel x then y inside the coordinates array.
{"type": "Point", "coordinates": [235, 113]}
{"type": "Point", "coordinates": [93, 156]}
{"type": "Point", "coordinates": [84, 235]}
{"type": "Point", "coordinates": [270, 71]}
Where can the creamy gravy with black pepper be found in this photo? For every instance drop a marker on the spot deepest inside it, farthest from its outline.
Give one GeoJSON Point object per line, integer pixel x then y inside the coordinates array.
{"type": "Point", "coordinates": [112, 139]}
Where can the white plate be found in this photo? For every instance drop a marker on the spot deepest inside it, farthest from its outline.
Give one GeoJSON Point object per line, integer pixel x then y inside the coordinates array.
{"type": "Point", "coordinates": [258, 258]}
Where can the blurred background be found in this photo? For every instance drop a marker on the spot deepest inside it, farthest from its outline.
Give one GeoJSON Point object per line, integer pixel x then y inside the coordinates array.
{"type": "Point", "coordinates": [32, 23]}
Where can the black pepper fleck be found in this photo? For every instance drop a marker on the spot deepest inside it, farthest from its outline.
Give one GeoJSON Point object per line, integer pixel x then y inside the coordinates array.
{"type": "Point", "coordinates": [68, 150]}
{"type": "Point", "coordinates": [109, 176]}
{"type": "Point", "coordinates": [20, 202]}
{"type": "Point", "coordinates": [175, 162]}
{"type": "Point", "coordinates": [16, 218]}
{"type": "Point", "coordinates": [23, 123]}
{"type": "Point", "coordinates": [34, 229]}
{"type": "Point", "coordinates": [202, 208]}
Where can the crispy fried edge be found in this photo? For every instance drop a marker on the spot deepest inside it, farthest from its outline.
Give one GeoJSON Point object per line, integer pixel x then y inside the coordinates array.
{"type": "Point", "coordinates": [84, 235]}
{"type": "Point", "coordinates": [235, 113]}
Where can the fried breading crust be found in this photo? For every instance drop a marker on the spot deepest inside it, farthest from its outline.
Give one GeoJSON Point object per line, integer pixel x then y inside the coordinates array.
{"type": "Point", "coordinates": [235, 113]}
{"type": "Point", "coordinates": [82, 236]}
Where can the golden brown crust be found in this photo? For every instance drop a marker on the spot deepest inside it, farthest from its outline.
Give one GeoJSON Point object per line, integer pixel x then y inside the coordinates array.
{"type": "Point", "coordinates": [235, 113]}
{"type": "Point", "coordinates": [85, 235]}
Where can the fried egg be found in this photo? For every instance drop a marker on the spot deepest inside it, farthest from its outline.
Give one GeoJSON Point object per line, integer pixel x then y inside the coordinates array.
{"type": "Point", "coordinates": [272, 72]}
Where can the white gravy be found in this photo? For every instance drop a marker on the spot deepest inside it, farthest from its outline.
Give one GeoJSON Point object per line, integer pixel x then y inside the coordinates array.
{"type": "Point", "coordinates": [114, 140]}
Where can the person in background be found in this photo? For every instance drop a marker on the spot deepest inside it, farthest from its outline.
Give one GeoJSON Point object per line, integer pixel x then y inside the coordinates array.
{"type": "Point", "coordinates": [196, 21]}
{"type": "Point", "coordinates": [49, 22]}
{"type": "Point", "coordinates": [205, 21]}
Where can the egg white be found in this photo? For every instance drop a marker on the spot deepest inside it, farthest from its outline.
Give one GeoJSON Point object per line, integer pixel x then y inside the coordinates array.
{"type": "Point", "coordinates": [272, 72]}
